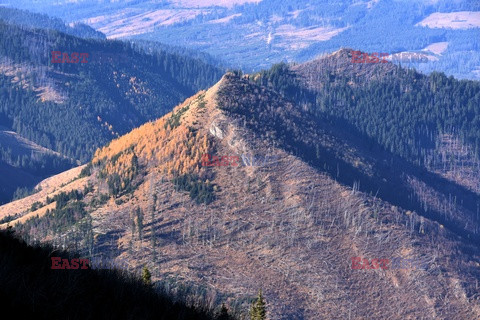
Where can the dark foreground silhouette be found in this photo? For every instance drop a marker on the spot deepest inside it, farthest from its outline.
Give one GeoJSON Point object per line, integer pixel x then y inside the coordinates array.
{"type": "Point", "coordinates": [30, 289]}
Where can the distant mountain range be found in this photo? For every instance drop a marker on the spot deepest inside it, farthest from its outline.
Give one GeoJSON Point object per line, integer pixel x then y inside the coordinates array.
{"type": "Point", "coordinates": [368, 162]}
{"type": "Point", "coordinates": [256, 34]}
{"type": "Point", "coordinates": [43, 21]}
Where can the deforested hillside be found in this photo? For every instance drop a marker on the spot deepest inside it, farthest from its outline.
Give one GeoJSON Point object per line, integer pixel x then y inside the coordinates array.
{"type": "Point", "coordinates": [290, 224]}
{"type": "Point", "coordinates": [419, 132]}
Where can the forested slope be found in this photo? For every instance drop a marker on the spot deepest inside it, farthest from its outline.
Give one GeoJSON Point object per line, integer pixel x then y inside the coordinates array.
{"type": "Point", "coordinates": [43, 21]}
{"type": "Point", "coordinates": [400, 109]}
{"type": "Point", "coordinates": [74, 108]}
{"type": "Point", "coordinates": [118, 89]}
{"type": "Point", "coordinates": [24, 163]}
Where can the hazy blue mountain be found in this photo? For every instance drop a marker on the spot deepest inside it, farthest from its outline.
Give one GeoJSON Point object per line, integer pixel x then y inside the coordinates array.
{"type": "Point", "coordinates": [255, 35]}
{"type": "Point", "coordinates": [43, 21]}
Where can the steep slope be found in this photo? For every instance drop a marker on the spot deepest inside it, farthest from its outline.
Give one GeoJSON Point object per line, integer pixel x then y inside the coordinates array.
{"type": "Point", "coordinates": [8, 174]}
{"type": "Point", "coordinates": [62, 182]}
{"type": "Point", "coordinates": [73, 108]}
{"type": "Point", "coordinates": [290, 226]}
{"type": "Point", "coordinates": [398, 119]}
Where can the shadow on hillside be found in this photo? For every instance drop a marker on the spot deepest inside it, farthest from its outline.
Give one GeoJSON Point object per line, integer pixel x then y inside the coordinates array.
{"type": "Point", "coordinates": [299, 132]}
{"type": "Point", "coordinates": [389, 180]}
{"type": "Point", "coordinates": [32, 290]}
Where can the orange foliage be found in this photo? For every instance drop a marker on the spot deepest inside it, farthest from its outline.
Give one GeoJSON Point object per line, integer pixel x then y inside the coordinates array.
{"type": "Point", "coordinates": [176, 151]}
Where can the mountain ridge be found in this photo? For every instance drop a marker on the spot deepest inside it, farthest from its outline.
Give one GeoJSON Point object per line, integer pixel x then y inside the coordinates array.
{"type": "Point", "coordinates": [294, 30]}
{"type": "Point", "coordinates": [292, 220]}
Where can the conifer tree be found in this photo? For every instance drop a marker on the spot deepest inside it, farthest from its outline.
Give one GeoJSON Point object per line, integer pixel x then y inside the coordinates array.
{"type": "Point", "coordinates": [258, 310]}
{"type": "Point", "coordinates": [146, 276]}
